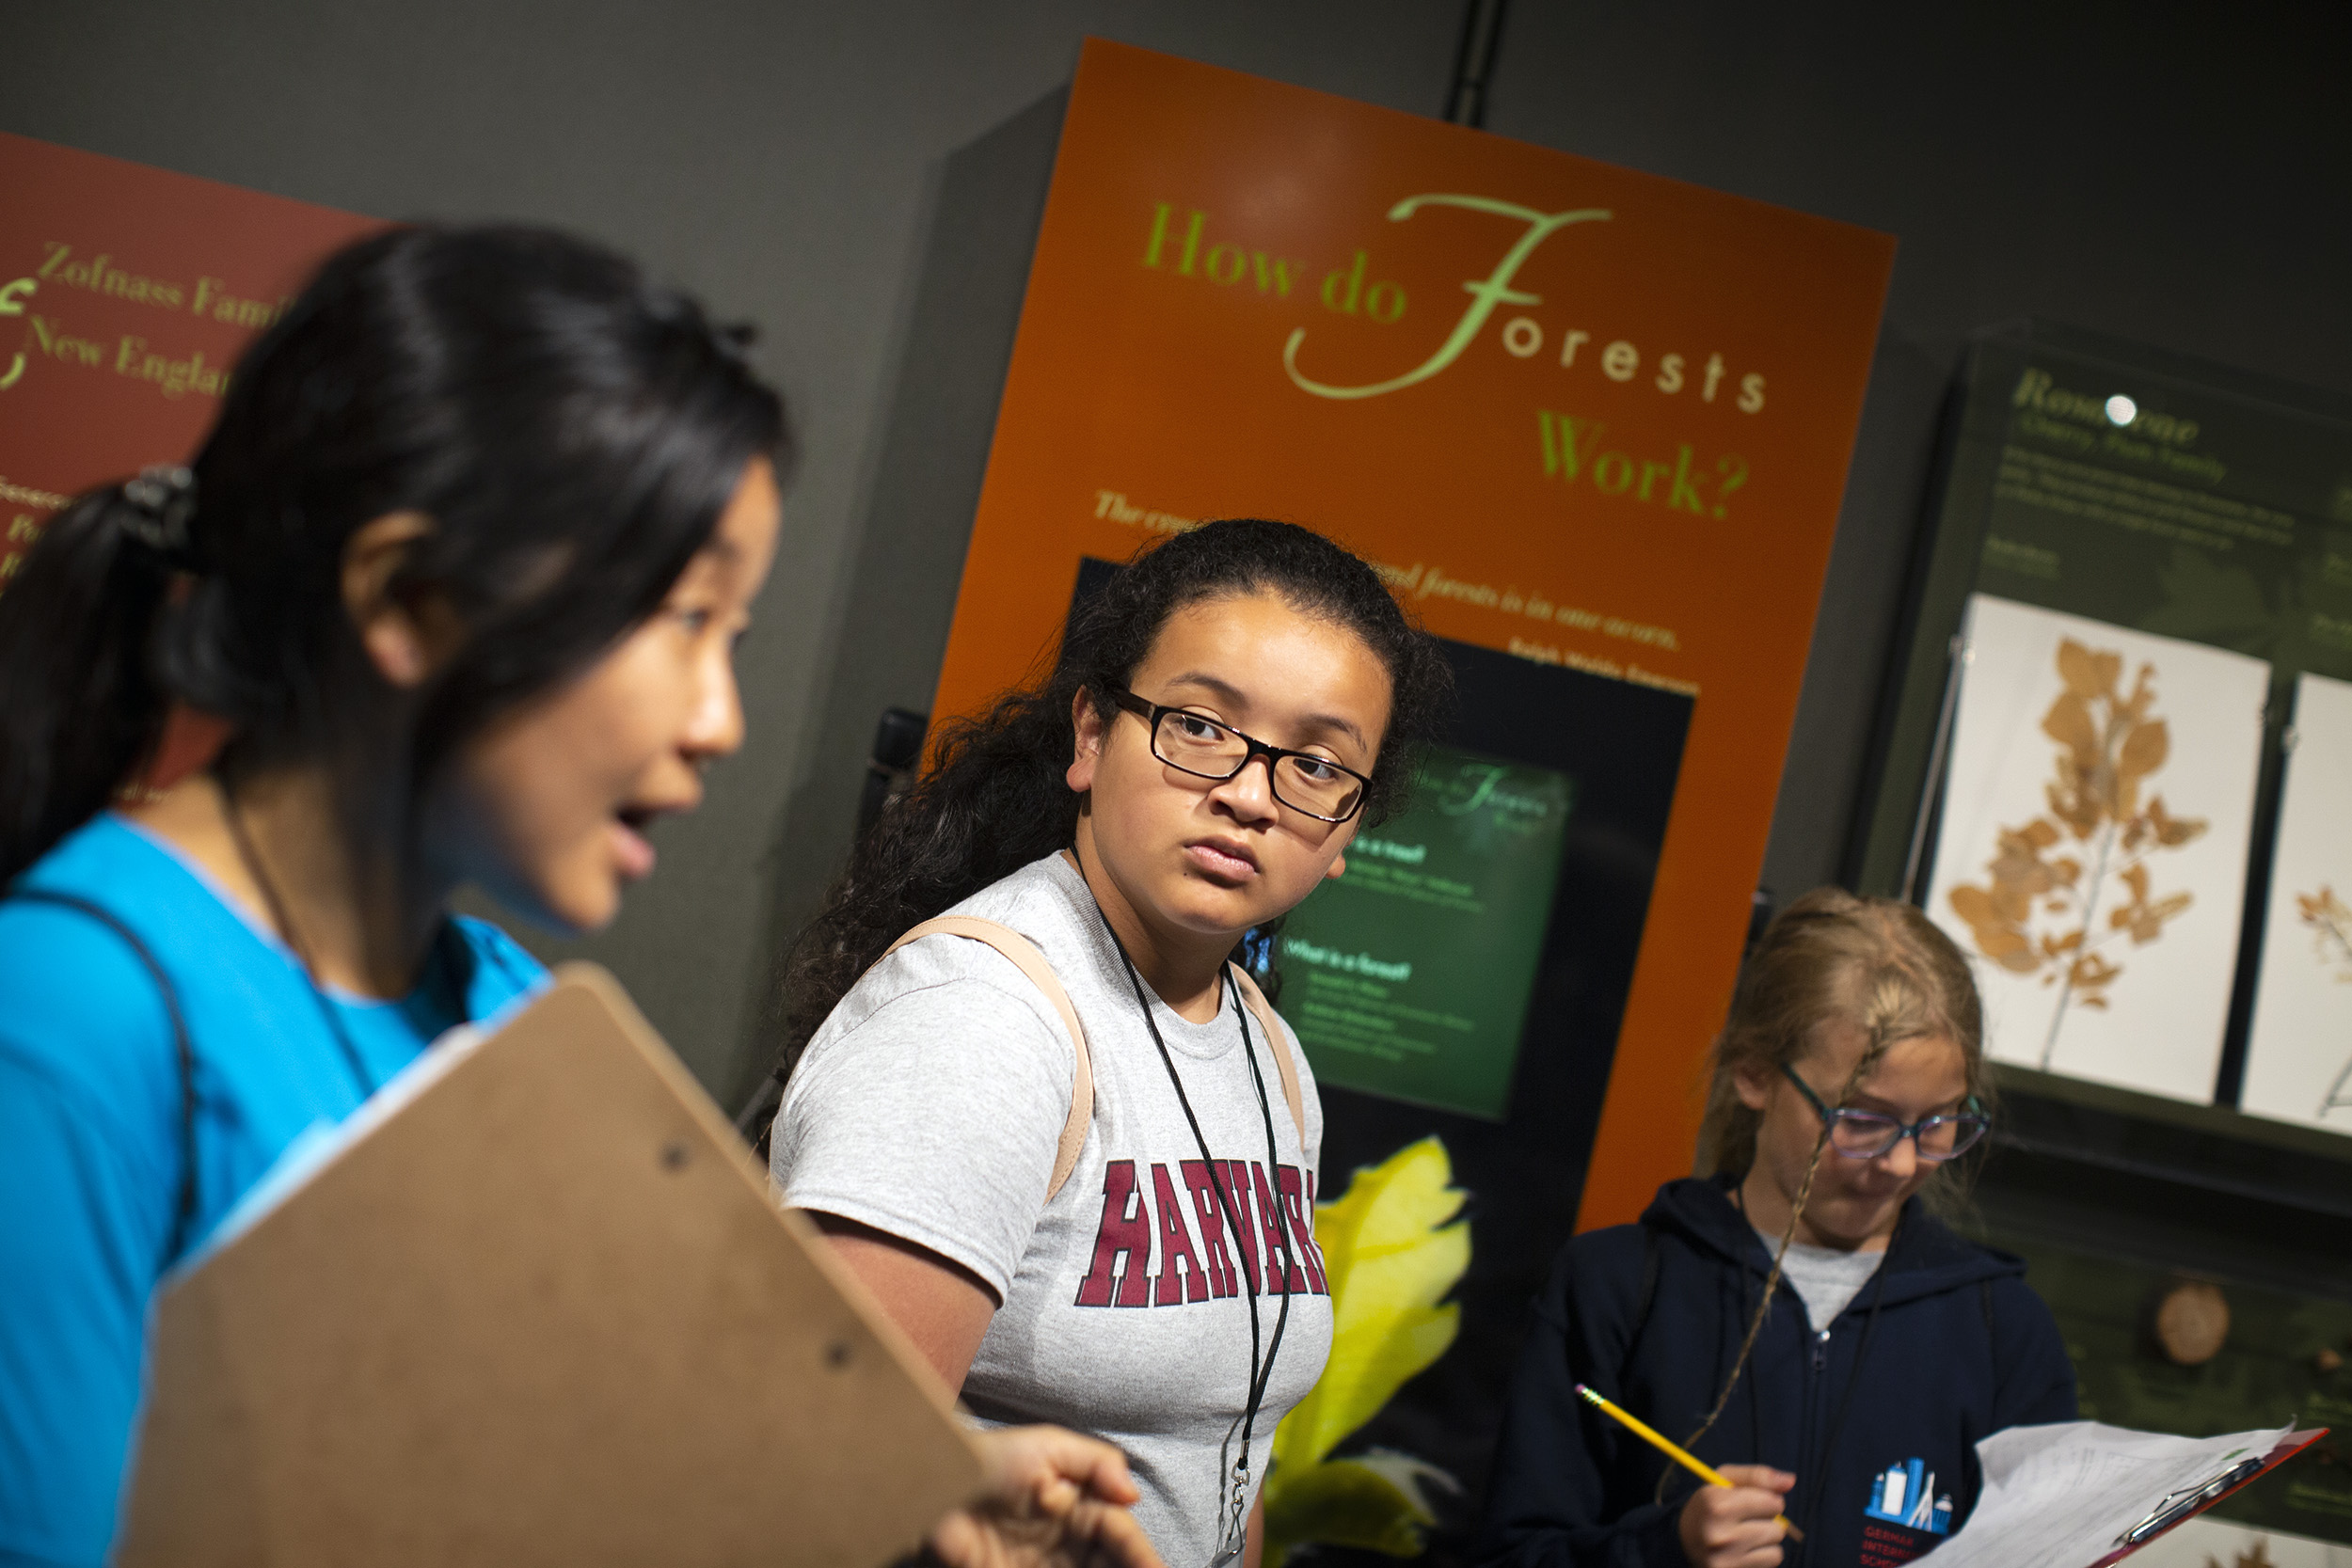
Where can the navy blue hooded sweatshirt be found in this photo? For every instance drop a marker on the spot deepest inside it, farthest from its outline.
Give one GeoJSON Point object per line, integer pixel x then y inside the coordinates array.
{"type": "Point", "coordinates": [1877, 1416]}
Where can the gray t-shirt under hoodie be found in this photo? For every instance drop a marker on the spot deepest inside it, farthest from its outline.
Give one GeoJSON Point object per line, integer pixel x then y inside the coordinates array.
{"type": "Point", "coordinates": [929, 1105]}
{"type": "Point", "coordinates": [1825, 1279]}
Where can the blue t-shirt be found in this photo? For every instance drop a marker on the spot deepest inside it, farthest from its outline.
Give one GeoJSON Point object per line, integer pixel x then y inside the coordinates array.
{"type": "Point", "coordinates": [93, 1152]}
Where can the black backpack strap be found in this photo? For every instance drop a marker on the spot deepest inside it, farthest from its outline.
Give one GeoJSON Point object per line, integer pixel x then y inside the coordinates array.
{"type": "Point", "coordinates": [185, 1214]}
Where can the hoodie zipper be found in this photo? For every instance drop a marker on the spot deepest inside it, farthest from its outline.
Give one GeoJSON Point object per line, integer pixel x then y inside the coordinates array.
{"type": "Point", "coordinates": [1815, 1388]}
{"type": "Point", "coordinates": [1816, 1364]}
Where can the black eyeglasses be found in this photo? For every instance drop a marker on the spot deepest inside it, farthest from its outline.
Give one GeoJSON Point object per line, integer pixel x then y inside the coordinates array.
{"type": "Point", "coordinates": [1206, 749]}
{"type": "Point", "coordinates": [1866, 1134]}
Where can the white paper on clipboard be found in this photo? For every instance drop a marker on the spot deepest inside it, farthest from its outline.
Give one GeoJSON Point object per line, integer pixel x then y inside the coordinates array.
{"type": "Point", "coordinates": [2063, 1496]}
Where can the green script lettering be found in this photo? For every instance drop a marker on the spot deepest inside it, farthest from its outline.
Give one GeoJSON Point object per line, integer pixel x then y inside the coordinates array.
{"type": "Point", "coordinates": [1569, 445]}
{"type": "Point", "coordinates": [1486, 294]}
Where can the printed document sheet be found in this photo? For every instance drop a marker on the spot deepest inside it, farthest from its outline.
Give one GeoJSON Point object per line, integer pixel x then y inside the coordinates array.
{"type": "Point", "coordinates": [2061, 1496]}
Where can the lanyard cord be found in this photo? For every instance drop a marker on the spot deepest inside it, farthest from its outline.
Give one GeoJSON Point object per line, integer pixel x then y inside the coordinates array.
{"type": "Point", "coordinates": [1261, 1374]}
{"type": "Point", "coordinates": [1281, 1215]}
{"type": "Point", "coordinates": [361, 1079]}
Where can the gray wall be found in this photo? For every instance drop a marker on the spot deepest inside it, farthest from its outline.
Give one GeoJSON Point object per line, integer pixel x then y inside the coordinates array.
{"type": "Point", "coordinates": [2176, 174]}
{"type": "Point", "coordinates": [862, 179]}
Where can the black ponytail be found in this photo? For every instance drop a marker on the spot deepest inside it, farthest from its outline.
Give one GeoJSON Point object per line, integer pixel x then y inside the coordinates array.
{"type": "Point", "coordinates": [995, 798]}
{"type": "Point", "coordinates": [79, 703]}
{"type": "Point", "coordinates": [570, 432]}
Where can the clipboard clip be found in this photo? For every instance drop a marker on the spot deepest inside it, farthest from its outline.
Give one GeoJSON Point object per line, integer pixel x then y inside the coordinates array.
{"type": "Point", "coordinates": [2174, 1507]}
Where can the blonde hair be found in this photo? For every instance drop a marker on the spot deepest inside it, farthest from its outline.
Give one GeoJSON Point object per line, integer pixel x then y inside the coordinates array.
{"type": "Point", "coordinates": [1876, 964]}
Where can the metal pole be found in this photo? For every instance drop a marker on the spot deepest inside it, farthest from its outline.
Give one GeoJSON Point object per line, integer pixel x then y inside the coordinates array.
{"type": "Point", "coordinates": [1474, 62]}
{"type": "Point", "coordinates": [1934, 786]}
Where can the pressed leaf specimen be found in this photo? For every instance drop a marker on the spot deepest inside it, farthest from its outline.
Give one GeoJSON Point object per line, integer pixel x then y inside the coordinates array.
{"type": "Point", "coordinates": [2064, 887]}
{"type": "Point", "coordinates": [2258, 1557]}
{"type": "Point", "coordinates": [2330, 920]}
{"type": "Point", "coordinates": [1392, 1249]}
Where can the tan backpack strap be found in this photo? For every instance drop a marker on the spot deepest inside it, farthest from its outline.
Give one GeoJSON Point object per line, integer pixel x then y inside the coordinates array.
{"type": "Point", "coordinates": [1026, 958]}
{"type": "Point", "coordinates": [1255, 1001]}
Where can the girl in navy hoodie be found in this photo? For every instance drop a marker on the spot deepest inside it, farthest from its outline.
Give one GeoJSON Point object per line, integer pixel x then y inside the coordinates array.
{"type": "Point", "coordinates": [1799, 1317]}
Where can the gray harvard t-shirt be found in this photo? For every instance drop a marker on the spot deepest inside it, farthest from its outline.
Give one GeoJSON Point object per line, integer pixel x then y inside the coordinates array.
{"type": "Point", "coordinates": [929, 1106]}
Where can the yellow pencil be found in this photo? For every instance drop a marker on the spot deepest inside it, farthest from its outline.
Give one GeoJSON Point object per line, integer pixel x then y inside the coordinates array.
{"type": "Point", "coordinates": [1696, 1466]}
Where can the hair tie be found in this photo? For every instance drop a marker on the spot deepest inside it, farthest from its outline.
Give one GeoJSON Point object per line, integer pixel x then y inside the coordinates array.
{"type": "Point", "coordinates": [163, 500]}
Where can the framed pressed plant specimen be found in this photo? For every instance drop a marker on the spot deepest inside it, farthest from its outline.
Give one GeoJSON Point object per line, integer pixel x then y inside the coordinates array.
{"type": "Point", "coordinates": [2092, 856]}
{"type": "Point", "coordinates": [2298, 1054]}
{"type": "Point", "coordinates": [2169, 510]}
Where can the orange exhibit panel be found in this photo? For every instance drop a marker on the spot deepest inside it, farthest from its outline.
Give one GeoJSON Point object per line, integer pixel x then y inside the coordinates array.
{"type": "Point", "coordinates": [1591, 424]}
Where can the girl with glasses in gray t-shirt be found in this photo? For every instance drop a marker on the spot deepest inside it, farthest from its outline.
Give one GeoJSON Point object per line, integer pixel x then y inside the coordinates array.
{"type": "Point", "coordinates": [1124, 1246]}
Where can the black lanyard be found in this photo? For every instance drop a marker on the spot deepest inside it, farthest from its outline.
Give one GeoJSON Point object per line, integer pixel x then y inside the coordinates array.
{"type": "Point", "coordinates": [1233, 1523]}
{"type": "Point", "coordinates": [448, 953]}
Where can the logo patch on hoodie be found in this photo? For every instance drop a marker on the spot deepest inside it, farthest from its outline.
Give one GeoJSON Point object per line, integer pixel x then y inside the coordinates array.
{"type": "Point", "coordinates": [1904, 1494]}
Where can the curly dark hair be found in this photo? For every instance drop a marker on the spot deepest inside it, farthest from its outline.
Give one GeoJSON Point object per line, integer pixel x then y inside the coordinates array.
{"type": "Point", "coordinates": [995, 798]}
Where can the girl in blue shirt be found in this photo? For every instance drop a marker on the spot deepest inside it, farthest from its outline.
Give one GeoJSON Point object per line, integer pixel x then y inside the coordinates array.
{"type": "Point", "coordinates": [458, 574]}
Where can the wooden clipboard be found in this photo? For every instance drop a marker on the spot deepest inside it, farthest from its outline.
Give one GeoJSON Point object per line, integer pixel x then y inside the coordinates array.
{"type": "Point", "coordinates": [545, 1312]}
{"type": "Point", "coordinates": [2288, 1447]}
